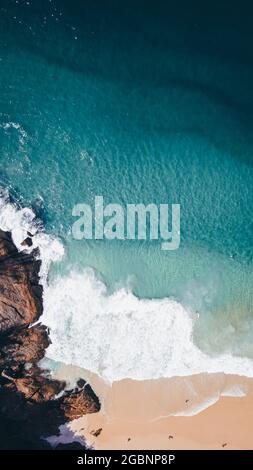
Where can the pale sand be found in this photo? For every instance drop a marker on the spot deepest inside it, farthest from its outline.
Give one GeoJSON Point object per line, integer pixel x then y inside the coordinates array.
{"type": "Point", "coordinates": [141, 414]}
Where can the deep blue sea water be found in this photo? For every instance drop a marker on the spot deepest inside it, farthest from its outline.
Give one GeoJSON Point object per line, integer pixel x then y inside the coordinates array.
{"type": "Point", "coordinates": [146, 102]}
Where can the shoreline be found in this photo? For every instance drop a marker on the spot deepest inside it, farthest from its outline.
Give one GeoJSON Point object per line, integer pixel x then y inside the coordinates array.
{"type": "Point", "coordinates": [226, 425]}
{"type": "Point", "coordinates": [138, 414]}
{"type": "Point", "coordinates": [206, 411]}
{"type": "Point", "coordinates": [32, 404]}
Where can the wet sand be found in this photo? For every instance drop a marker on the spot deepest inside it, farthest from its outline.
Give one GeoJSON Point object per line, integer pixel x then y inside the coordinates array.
{"type": "Point", "coordinates": [225, 425]}
{"type": "Point", "coordinates": [205, 411]}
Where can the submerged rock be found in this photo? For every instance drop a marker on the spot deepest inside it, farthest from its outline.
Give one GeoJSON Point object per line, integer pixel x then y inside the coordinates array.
{"type": "Point", "coordinates": [32, 404]}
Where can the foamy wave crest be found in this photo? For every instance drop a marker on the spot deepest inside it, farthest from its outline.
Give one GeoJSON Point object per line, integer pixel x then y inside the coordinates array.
{"type": "Point", "coordinates": [19, 221]}
{"type": "Point", "coordinates": [121, 336]}
{"type": "Point", "coordinates": [118, 335]}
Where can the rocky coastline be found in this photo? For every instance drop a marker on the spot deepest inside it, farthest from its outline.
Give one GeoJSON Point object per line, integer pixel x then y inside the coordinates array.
{"type": "Point", "coordinates": [32, 404]}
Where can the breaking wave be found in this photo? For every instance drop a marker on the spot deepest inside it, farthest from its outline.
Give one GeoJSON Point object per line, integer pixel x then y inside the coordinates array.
{"type": "Point", "coordinates": [114, 335]}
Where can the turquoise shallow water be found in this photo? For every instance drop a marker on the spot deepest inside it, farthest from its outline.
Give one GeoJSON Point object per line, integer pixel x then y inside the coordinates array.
{"type": "Point", "coordinates": [147, 108]}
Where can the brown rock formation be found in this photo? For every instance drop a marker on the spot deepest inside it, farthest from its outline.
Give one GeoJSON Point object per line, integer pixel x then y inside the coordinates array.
{"type": "Point", "coordinates": [20, 292]}
{"type": "Point", "coordinates": [32, 404]}
{"type": "Point", "coordinates": [76, 404]}
{"type": "Point", "coordinates": [19, 349]}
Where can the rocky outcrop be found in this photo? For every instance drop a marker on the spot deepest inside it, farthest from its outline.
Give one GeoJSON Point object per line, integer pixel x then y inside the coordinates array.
{"type": "Point", "coordinates": [22, 347]}
{"type": "Point", "coordinates": [20, 292]}
{"type": "Point", "coordinates": [32, 404]}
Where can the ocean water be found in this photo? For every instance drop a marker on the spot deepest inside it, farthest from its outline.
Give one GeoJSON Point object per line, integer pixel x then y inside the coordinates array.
{"type": "Point", "coordinates": [140, 102]}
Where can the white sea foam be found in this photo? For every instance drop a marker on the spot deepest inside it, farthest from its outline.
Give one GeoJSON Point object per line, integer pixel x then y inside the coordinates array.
{"type": "Point", "coordinates": [117, 335]}
{"type": "Point", "coordinates": [120, 335]}
{"type": "Point", "coordinates": [233, 391]}
{"type": "Point", "coordinates": [237, 391]}
{"type": "Point", "coordinates": [197, 408]}
{"type": "Point", "coordinates": [19, 221]}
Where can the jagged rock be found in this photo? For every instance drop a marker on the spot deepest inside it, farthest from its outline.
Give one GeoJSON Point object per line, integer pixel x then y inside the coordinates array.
{"type": "Point", "coordinates": [80, 402]}
{"type": "Point", "coordinates": [32, 404]}
{"type": "Point", "coordinates": [35, 387]}
{"type": "Point", "coordinates": [23, 347]}
{"type": "Point", "coordinates": [20, 291]}
{"type": "Point", "coordinates": [27, 242]}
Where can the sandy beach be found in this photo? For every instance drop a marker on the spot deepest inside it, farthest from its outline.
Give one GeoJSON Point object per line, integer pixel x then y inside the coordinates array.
{"type": "Point", "coordinates": [225, 425]}
{"type": "Point", "coordinates": [205, 411]}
